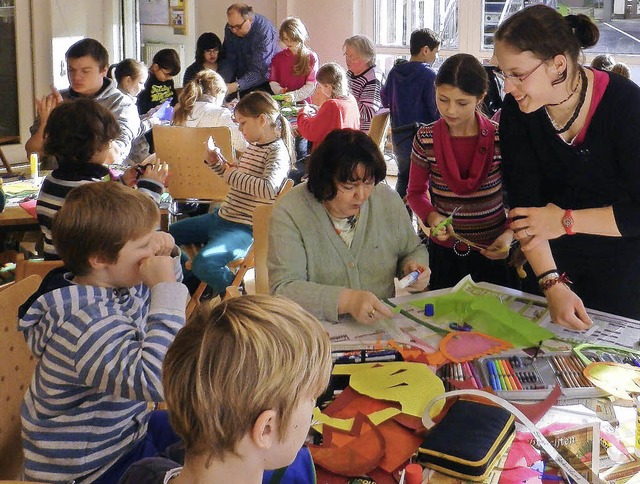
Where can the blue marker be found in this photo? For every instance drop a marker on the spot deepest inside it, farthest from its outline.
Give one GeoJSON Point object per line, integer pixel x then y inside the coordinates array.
{"type": "Point", "coordinates": [493, 376]}
{"type": "Point", "coordinates": [409, 279]}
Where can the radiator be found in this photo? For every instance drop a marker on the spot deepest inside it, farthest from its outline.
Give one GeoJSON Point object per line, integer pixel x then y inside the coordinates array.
{"type": "Point", "coordinates": [150, 49]}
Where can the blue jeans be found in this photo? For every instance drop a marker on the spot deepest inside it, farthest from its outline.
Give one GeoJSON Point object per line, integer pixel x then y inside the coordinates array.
{"type": "Point", "coordinates": [224, 241]}
{"type": "Point", "coordinates": [159, 436]}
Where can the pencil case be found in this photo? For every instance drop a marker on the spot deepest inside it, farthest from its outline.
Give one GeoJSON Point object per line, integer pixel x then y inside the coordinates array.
{"type": "Point", "coordinates": [468, 441]}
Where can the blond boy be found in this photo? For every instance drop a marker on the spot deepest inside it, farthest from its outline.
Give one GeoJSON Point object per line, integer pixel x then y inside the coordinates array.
{"type": "Point", "coordinates": [100, 332]}
{"type": "Point", "coordinates": [241, 380]}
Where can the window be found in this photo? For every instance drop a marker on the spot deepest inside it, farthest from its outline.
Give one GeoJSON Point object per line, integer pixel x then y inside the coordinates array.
{"type": "Point", "coordinates": [9, 123]}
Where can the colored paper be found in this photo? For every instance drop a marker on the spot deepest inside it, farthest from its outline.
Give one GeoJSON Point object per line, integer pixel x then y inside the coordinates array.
{"type": "Point", "coordinates": [617, 379]}
{"type": "Point", "coordinates": [486, 314]}
{"type": "Point", "coordinates": [413, 385]}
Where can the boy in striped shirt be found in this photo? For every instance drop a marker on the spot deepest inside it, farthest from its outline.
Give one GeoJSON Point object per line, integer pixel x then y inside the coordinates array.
{"type": "Point", "coordinates": [100, 333]}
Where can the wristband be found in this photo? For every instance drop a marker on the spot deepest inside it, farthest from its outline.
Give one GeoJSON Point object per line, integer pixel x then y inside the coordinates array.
{"type": "Point", "coordinates": [553, 280]}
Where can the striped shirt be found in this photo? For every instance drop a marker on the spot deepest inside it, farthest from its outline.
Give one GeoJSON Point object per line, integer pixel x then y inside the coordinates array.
{"type": "Point", "coordinates": [482, 215]}
{"type": "Point", "coordinates": [100, 354]}
{"type": "Point", "coordinates": [365, 88]}
{"type": "Point", "coordinates": [261, 172]}
{"type": "Point", "coordinates": [61, 181]}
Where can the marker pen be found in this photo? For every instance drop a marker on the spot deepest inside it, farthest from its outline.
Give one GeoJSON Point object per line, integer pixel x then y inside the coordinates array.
{"type": "Point", "coordinates": [409, 278]}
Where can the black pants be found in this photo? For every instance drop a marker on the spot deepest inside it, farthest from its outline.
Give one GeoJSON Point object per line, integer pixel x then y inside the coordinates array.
{"type": "Point", "coordinates": [447, 268]}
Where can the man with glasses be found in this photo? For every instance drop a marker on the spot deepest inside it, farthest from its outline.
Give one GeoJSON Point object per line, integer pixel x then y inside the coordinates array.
{"type": "Point", "coordinates": [250, 42]}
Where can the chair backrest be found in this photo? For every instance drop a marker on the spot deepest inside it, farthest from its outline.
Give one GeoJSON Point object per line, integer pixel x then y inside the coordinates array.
{"type": "Point", "coordinates": [261, 216]}
{"type": "Point", "coordinates": [28, 267]}
{"type": "Point", "coordinates": [378, 129]}
{"type": "Point", "coordinates": [16, 369]}
{"type": "Point", "coordinates": [183, 148]}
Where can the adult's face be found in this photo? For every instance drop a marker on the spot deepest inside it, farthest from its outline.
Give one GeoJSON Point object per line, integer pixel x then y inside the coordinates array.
{"type": "Point", "coordinates": [85, 75]}
{"type": "Point", "coordinates": [350, 195]}
{"type": "Point", "coordinates": [526, 78]}
{"type": "Point", "coordinates": [239, 26]}
{"type": "Point", "coordinates": [355, 62]}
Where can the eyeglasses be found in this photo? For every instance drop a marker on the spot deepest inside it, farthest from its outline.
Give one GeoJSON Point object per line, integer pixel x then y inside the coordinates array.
{"type": "Point", "coordinates": [514, 78]}
{"type": "Point", "coordinates": [235, 28]}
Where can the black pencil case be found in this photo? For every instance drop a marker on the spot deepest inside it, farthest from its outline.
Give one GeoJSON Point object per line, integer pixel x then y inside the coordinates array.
{"type": "Point", "coordinates": [468, 441]}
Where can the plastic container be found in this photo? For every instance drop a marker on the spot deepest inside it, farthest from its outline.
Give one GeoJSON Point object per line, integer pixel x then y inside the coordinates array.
{"type": "Point", "coordinates": [34, 165]}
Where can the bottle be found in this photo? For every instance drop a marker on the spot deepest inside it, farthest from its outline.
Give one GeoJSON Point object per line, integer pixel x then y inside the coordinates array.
{"type": "Point", "coordinates": [33, 162]}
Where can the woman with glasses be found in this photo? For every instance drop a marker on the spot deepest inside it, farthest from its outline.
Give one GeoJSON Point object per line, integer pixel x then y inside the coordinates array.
{"type": "Point", "coordinates": [208, 56]}
{"type": "Point", "coordinates": [337, 241]}
{"type": "Point", "coordinates": [571, 160]}
{"type": "Point", "coordinates": [365, 81]}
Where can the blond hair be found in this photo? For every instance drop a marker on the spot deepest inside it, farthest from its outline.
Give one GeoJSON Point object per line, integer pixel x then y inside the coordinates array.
{"type": "Point", "coordinates": [335, 76]}
{"type": "Point", "coordinates": [621, 69]}
{"type": "Point", "coordinates": [257, 103]}
{"type": "Point", "coordinates": [233, 361]}
{"type": "Point", "coordinates": [207, 85]}
{"type": "Point", "coordinates": [97, 220]}
{"type": "Point", "coordinates": [293, 28]}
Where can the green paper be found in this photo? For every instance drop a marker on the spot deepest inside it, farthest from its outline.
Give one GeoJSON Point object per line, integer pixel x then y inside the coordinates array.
{"type": "Point", "coordinates": [486, 314]}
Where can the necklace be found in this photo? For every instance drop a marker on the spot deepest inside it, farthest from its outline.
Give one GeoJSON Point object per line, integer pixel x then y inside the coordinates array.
{"type": "Point", "coordinates": [576, 111]}
{"type": "Point", "coordinates": [569, 96]}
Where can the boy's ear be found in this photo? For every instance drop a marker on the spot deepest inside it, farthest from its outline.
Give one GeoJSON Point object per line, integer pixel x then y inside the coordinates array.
{"type": "Point", "coordinates": [97, 262]}
{"type": "Point", "coordinates": [263, 432]}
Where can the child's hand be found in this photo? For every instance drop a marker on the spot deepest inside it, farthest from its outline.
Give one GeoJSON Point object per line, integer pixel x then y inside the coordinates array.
{"type": "Point", "coordinates": [499, 249]}
{"type": "Point", "coordinates": [156, 269]}
{"type": "Point", "coordinates": [162, 243]}
{"type": "Point", "coordinates": [288, 98]}
{"type": "Point", "coordinates": [47, 104]}
{"type": "Point", "coordinates": [434, 219]}
{"type": "Point", "coordinates": [155, 171]}
{"type": "Point", "coordinates": [212, 154]}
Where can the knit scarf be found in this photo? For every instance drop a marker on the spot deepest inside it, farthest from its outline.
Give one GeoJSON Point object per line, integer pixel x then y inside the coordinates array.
{"type": "Point", "coordinates": [482, 158]}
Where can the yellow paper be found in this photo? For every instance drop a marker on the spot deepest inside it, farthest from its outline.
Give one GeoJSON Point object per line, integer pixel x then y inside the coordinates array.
{"type": "Point", "coordinates": [617, 379]}
{"type": "Point", "coordinates": [412, 385]}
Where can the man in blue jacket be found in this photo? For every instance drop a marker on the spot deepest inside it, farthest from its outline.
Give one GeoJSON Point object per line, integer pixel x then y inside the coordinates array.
{"type": "Point", "coordinates": [410, 96]}
{"type": "Point", "coordinates": [250, 42]}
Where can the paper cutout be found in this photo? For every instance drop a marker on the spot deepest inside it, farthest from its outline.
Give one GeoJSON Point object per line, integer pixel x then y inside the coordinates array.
{"type": "Point", "coordinates": [486, 314]}
{"type": "Point", "coordinates": [615, 378]}
{"type": "Point", "coordinates": [413, 385]}
{"type": "Point", "coordinates": [461, 346]}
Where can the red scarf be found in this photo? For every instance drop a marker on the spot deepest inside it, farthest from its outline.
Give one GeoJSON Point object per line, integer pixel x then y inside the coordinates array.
{"type": "Point", "coordinates": [482, 158]}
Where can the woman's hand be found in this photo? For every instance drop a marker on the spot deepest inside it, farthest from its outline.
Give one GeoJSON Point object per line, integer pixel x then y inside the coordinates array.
{"type": "Point", "coordinates": [444, 232]}
{"type": "Point", "coordinates": [363, 306]}
{"type": "Point", "coordinates": [535, 224]}
{"type": "Point", "coordinates": [421, 283]}
{"type": "Point", "coordinates": [499, 249]}
{"type": "Point", "coordinates": [566, 308]}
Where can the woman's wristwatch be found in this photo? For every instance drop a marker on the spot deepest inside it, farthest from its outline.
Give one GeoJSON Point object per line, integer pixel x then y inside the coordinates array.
{"type": "Point", "coordinates": [567, 222]}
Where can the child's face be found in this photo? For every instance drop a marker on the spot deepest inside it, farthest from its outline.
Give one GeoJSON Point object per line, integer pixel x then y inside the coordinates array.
{"type": "Point", "coordinates": [289, 43]}
{"type": "Point", "coordinates": [100, 156]}
{"type": "Point", "coordinates": [163, 75]}
{"type": "Point", "coordinates": [211, 56]}
{"type": "Point", "coordinates": [252, 128]}
{"type": "Point", "coordinates": [456, 106]}
{"type": "Point", "coordinates": [134, 86]}
{"type": "Point", "coordinates": [284, 452]}
{"type": "Point", "coordinates": [125, 272]}
{"type": "Point", "coordinates": [85, 75]}
{"type": "Point", "coordinates": [431, 55]}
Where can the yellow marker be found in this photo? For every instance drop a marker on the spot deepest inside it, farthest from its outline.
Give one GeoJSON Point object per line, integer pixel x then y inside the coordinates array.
{"type": "Point", "coordinates": [33, 161]}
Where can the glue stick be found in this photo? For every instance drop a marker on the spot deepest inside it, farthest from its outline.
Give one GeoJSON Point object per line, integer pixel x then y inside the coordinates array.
{"type": "Point", "coordinates": [33, 162]}
{"type": "Point", "coordinates": [409, 279]}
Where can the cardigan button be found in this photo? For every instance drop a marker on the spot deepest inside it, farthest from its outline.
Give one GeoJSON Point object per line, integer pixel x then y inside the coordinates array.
{"type": "Point", "coordinates": [484, 132]}
{"type": "Point", "coordinates": [352, 264]}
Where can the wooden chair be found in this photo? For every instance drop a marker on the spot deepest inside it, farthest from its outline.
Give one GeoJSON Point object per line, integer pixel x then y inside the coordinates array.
{"type": "Point", "coordinates": [379, 127]}
{"type": "Point", "coordinates": [16, 369]}
{"type": "Point", "coordinates": [183, 148]}
{"type": "Point", "coordinates": [261, 217]}
{"type": "Point", "coordinates": [241, 266]}
{"type": "Point", "coordinates": [28, 267]}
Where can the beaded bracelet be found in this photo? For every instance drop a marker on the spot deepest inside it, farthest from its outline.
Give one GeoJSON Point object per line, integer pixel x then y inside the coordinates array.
{"type": "Point", "coordinates": [544, 274]}
{"type": "Point", "coordinates": [552, 280]}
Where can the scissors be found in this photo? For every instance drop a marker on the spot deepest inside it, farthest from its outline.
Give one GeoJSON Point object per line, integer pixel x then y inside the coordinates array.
{"type": "Point", "coordinates": [445, 222]}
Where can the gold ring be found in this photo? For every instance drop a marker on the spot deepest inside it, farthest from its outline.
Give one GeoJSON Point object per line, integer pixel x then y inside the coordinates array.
{"type": "Point", "coordinates": [372, 313]}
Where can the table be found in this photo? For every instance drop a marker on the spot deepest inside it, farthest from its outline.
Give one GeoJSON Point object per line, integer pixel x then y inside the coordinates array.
{"type": "Point", "coordinates": [16, 216]}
